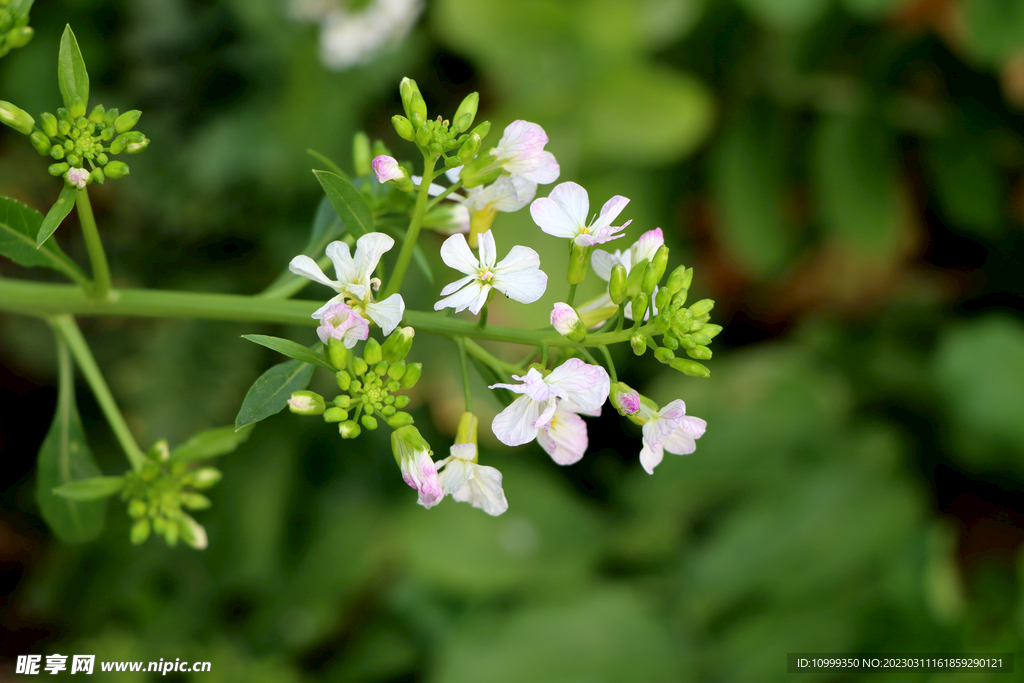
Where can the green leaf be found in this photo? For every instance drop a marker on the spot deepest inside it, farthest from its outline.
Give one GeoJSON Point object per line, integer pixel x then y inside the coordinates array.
{"type": "Point", "coordinates": [270, 393]}
{"type": "Point", "coordinates": [328, 162]}
{"type": "Point", "coordinates": [72, 77]}
{"type": "Point", "coordinates": [57, 213]}
{"type": "Point", "coordinates": [290, 349]}
{"type": "Point", "coordinates": [94, 488]}
{"type": "Point", "coordinates": [347, 201]}
{"type": "Point", "coordinates": [967, 184]}
{"type": "Point", "coordinates": [326, 226]}
{"type": "Point", "coordinates": [211, 443]}
{"type": "Point", "coordinates": [64, 458]}
{"type": "Point", "coordinates": [19, 225]}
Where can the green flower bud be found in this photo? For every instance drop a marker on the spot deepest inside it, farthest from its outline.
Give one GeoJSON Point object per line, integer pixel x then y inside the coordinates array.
{"type": "Point", "coordinates": [690, 367]}
{"type": "Point", "coordinates": [110, 116]}
{"type": "Point", "coordinates": [57, 152]}
{"type": "Point", "coordinates": [617, 284]}
{"type": "Point", "coordinates": [137, 508]}
{"type": "Point", "coordinates": [697, 324]}
{"type": "Point", "coordinates": [403, 127]}
{"type": "Point", "coordinates": [662, 298]}
{"type": "Point", "coordinates": [195, 501]}
{"type": "Point", "coordinates": [202, 478]}
{"type": "Point", "coordinates": [397, 346]}
{"type": "Point", "coordinates": [361, 156]}
{"type": "Point", "coordinates": [349, 430]}
{"type": "Point", "coordinates": [342, 401]}
{"type": "Point", "coordinates": [393, 385]}
{"type": "Point", "coordinates": [116, 169]}
{"type": "Point", "coordinates": [58, 169]}
{"type": "Point", "coordinates": [306, 403]}
{"type": "Point", "coordinates": [381, 369]}
{"type": "Point", "coordinates": [171, 532]}
{"type": "Point", "coordinates": [423, 136]}
{"type": "Point", "coordinates": [16, 118]}
{"type": "Point", "coordinates": [21, 36]}
{"type": "Point", "coordinates": [402, 401]}
{"type": "Point", "coordinates": [649, 280]}
{"type": "Point", "coordinates": [371, 352]}
{"type": "Point", "coordinates": [344, 380]}
{"type": "Point", "coordinates": [640, 302]}
{"type": "Point", "coordinates": [661, 322]}
{"type": "Point", "coordinates": [699, 352]}
{"type": "Point", "coordinates": [638, 343]}
{"type": "Point", "coordinates": [675, 280]}
{"type": "Point", "coordinates": [686, 341]}
{"type": "Point", "coordinates": [102, 159]}
{"type": "Point", "coordinates": [107, 134]}
{"type": "Point", "coordinates": [699, 338]}
{"type": "Point", "coordinates": [97, 176]}
{"type": "Point", "coordinates": [96, 115]}
{"type": "Point", "coordinates": [482, 129]}
{"type": "Point", "coordinates": [74, 160]}
{"type": "Point", "coordinates": [678, 300]}
{"type": "Point", "coordinates": [140, 531]}
{"type": "Point", "coordinates": [670, 342]}
{"type": "Point", "coordinates": [659, 263]}
{"type": "Point", "coordinates": [369, 421]}
{"type": "Point", "coordinates": [336, 354]}
{"type": "Point", "coordinates": [136, 147]}
{"type": "Point", "coordinates": [359, 366]}
{"type": "Point", "coordinates": [77, 109]}
{"type": "Point", "coordinates": [711, 330]}
{"type": "Point", "coordinates": [399, 420]}
{"type": "Point", "coordinates": [335, 414]}
{"type": "Point", "coordinates": [397, 370]}
{"type": "Point", "coordinates": [40, 142]}
{"type": "Point", "coordinates": [469, 149]}
{"type": "Point", "coordinates": [126, 121]}
{"type": "Point", "coordinates": [409, 92]}
{"type": "Point", "coordinates": [624, 398]}
{"type": "Point", "coordinates": [388, 410]}
{"type": "Point", "coordinates": [664, 355]}
{"type": "Point", "coordinates": [702, 307]}
{"type": "Point", "coordinates": [412, 375]}
{"type": "Point", "coordinates": [578, 258]}
{"type": "Point", "coordinates": [48, 122]}
{"type": "Point", "coordinates": [118, 145]}
{"type": "Point", "coordinates": [466, 112]}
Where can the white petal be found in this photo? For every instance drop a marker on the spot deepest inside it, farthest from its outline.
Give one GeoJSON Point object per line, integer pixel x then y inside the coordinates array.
{"type": "Point", "coordinates": [565, 439]}
{"type": "Point", "coordinates": [307, 267]}
{"type": "Point", "coordinates": [457, 285]}
{"type": "Point", "coordinates": [464, 298]}
{"type": "Point", "coordinates": [512, 194]}
{"type": "Point", "coordinates": [603, 262]}
{"type": "Point", "coordinates": [344, 266]}
{"type": "Point", "coordinates": [487, 249]}
{"type": "Point", "coordinates": [388, 313]}
{"type": "Point", "coordinates": [484, 491]}
{"type": "Point", "coordinates": [518, 276]}
{"type": "Point", "coordinates": [682, 440]}
{"type": "Point", "coordinates": [645, 247]}
{"type": "Point", "coordinates": [481, 299]}
{"type": "Point", "coordinates": [456, 254]}
{"type": "Point", "coordinates": [585, 385]}
{"type": "Point", "coordinates": [514, 425]}
{"type": "Point", "coordinates": [547, 170]}
{"type": "Point", "coordinates": [610, 211]}
{"type": "Point", "coordinates": [369, 248]}
{"type": "Point", "coordinates": [543, 420]}
{"type": "Point", "coordinates": [570, 407]}
{"type": "Point", "coordinates": [650, 456]}
{"type": "Point", "coordinates": [463, 451]}
{"type": "Point", "coordinates": [455, 475]}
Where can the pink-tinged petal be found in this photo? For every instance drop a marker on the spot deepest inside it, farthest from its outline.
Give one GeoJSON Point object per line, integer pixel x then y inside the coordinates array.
{"type": "Point", "coordinates": [456, 286]}
{"type": "Point", "coordinates": [570, 407]}
{"type": "Point", "coordinates": [514, 425]}
{"type": "Point", "coordinates": [564, 318]}
{"type": "Point", "coordinates": [319, 313]}
{"type": "Point", "coordinates": [585, 385]}
{"type": "Point", "coordinates": [464, 298]}
{"type": "Point", "coordinates": [645, 247]}
{"type": "Point", "coordinates": [307, 268]}
{"type": "Point", "coordinates": [603, 262]}
{"type": "Point", "coordinates": [547, 170]}
{"type": "Point", "coordinates": [344, 267]}
{"type": "Point", "coordinates": [369, 248]}
{"type": "Point", "coordinates": [388, 313]}
{"type": "Point", "coordinates": [338, 321]}
{"type": "Point", "coordinates": [565, 439]}
{"type": "Point", "coordinates": [651, 456]}
{"type": "Point", "coordinates": [487, 249]}
{"type": "Point", "coordinates": [484, 491]}
{"type": "Point", "coordinates": [610, 211]}
{"type": "Point", "coordinates": [456, 254]}
{"type": "Point", "coordinates": [544, 419]}
{"type": "Point", "coordinates": [609, 233]}
{"type": "Point", "coordinates": [387, 168]}
{"type": "Point", "coordinates": [552, 219]}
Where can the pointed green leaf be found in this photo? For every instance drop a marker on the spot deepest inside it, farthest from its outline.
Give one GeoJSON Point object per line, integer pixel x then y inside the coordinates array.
{"type": "Point", "coordinates": [290, 349]}
{"type": "Point", "coordinates": [64, 458]}
{"type": "Point", "coordinates": [270, 393]}
{"type": "Point", "coordinates": [210, 443]}
{"type": "Point", "coordinates": [72, 77]}
{"type": "Point", "coordinates": [326, 227]}
{"type": "Point", "coordinates": [56, 215]}
{"type": "Point", "coordinates": [347, 201]}
{"type": "Point", "coordinates": [94, 488]}
{"type": "Point", "coordinates": [19, 225]}
{"type": "Point", "coordinates": [328, 162]}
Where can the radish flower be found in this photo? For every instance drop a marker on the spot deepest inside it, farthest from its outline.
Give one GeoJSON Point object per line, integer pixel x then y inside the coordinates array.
{"type": "Point", "coordinates": [564, 214]}
{"type": "Point", "coordinates": [669, 429]}
{"type": "Point", "coordinates": [469, 482]}
{"type": "Point", "coordinates": [517, 276]}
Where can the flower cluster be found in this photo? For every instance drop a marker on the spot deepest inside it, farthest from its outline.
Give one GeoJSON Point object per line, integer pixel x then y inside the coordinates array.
{"type": "Point", "coordinates": [14, 29]}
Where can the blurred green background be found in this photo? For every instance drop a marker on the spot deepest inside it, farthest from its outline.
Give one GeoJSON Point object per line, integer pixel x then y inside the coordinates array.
{"type": "Point", "coordinates": [846, 178]}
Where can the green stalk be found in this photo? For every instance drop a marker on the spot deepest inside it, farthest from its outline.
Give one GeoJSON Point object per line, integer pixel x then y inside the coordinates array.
{"type": "Point", "coordinates": [405, 255]}
{"type": "Point", "coordinates": [433, 202]}
{"type": "Point", "coordinates": [68, 330]}
{"type": "Point", "coordinates": [572, 295]}
{"type": "Point", "coordinates": [97, 257]}
{"type": "Point", "coordinates": [611, 365]}
{"type": "Point", "coordinates": [467, 392]}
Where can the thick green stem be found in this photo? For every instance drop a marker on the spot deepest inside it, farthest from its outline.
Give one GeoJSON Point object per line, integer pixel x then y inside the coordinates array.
{"type": "Point", "coordinates": [97, 257]}
{"type": "Point", "coordinates": [405, 255]}
{"type": "Point", "coordinates": [495, 362]}
{"type": "Point", "coordinates": [45, 299]}
{"type": "Point", "coordinates": [68, 330]}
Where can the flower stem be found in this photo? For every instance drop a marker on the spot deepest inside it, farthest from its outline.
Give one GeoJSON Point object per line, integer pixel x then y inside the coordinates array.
{"type": "Point", "coordinates": [456, 185]}
{"type": "Point", "coordinates": [572, 294]}
{"type": "Point", "coordinates": [467, 392]}
{"type": "Point", "coordinates": [405, 255]}
{"type": "Point", "coordinates": [611, 365]}
{"type": "Point", "coordinates": [97, 257]}
{"type": "Point", "coordinates": [68, 330]}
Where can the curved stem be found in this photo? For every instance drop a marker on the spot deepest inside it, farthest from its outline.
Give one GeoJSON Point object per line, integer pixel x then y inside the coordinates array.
{"type": "Point", "coordinates": [405, 255]}
{"type": "Point", "coordinates": [611, 366]}
{"type": "Point", "coordinates": [495, 362]}
{"type": "Point", "coordinates": [68, 330]}
{"type": "Point", "coordinates": [456, 185]}
{"type": "Point", "coordinates": [97, 257]}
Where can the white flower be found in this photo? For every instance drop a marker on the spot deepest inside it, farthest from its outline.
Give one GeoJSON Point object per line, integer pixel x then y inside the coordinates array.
{"type": "Point", "coordinates": [643, 249]}
{"type": "Point", "coordinates": [78, 177]}
{"type": "Point", "coordinates": [520, 153]}
{"type": "Point", "coordinates": [669, 429]}
{"type": "Point", "coordinates": [340, 322]}
{"type": "Point", "coordinates": [586, 386]}
{"type": "Point", "coordinates": [517, 276]}
{"type": "Point", "coordinates": [355, 283]}
{"type": "Point", "coordinates": [565, 436]}
{"type": "Point", "coordinates": [350, 38]}
{"type": "Point", "coordinates": [418, 470]}
{"type": "Point", "coordinates": [469, 482]}
{"type": "Point", "coordinates": [564, 214]}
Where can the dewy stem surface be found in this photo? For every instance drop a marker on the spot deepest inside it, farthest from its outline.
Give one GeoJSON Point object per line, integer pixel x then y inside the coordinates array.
{"type": "Point", "coordinates": [45, 299]}
{"type": "Point", "coordinates": [405, 255]}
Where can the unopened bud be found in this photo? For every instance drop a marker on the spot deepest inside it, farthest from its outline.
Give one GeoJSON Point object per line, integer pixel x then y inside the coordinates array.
{"type": "Point", "coordinates": [403, 127]}
{"type": "Point", "coordinates": [126, 121]}
{"type": "Point", "coordinates": [690, 367]}
{"type": "Point", "coordinates": [40, 142]}
{"type": "Point", "coordinates": [137, 508]}
{"type": "Point", "coordinates": [638, 343]}
{"type": "Point", "coordinates": [16, 118]}
{"type": "Point", "coordinates": [624, 398]}
{"type": "Point", "coordinates": [701, 307]}
{"type": "Point", "coordinates": [470, 148]}
{"type": "Point", "coordinates": [675, 280]}
{"type": "Point", "coordinates": [577, 264]}
{"type": "Point", "coordinates": [423, 136]}
{"type": "Point", "coordinates": [399, 419]}
{"type": "Point", "coordinates": [349, 430]}
{"type": "Point", "coordinates": [97, 113]}
{"type": "Point", "coordinates": [699, 352]}
{"type": "Point", "coordinates": [396, 347]}
{"type": "Point", "coordinates": [409, 91]}
{"type": "Point", "coordinates": [57, 152]}
{"type": "Point", "coordinates": [659, 263]}
{"type": "Point", "coordinates": [344, 379]}
{"type": "Point", "coordinates": [337, 355]}
{"type": "Point", "coordinates": [335, 414]}
{"type": "Point", "coordinates": [670, 341]}
{"type": "Point", "coordinates": [110, 116]}
{"type": "Point", "coordinates": [77, 108]}
{"type": "Point", "coordinates": [140, 531]}
{"type": "Point", "coordinates": [402, 401]}
{"type": "Point", "coordinates": [372, 352]}
{"type": "Point", "coordinates": [58, 169]}
{"type": "Point", "coordinates": [48, 122]}
{"type": "Point", "coordinates": [664, 355]}
{"type": "Point", "coordinates": [466, 112]}
{"type": "Point", "coordinates": [397, 370]}
{"type": "Point", "coordinates": [699, 338]}
{"type": "Point", "coordinates": [195, 501]}
{"type": "Point", "coordinates": [97, 176]}
{"type": "Point", "coordinates": [202, 478]}
{"type": "Point", "coordinates": [369, 421]}
{"type": "Point", "coordinates": [468, 427]}
{"type": "Point", "coordinates": [359, 366]}
{"type": "Point", "coordinates": [711, 330]}
{"type": "Point", "coordinates": [567, 322]}
{"type": "Point", "coordinates": [662, 298]}
{"type": "Point", "coordinates": [77, 177]}
{"type": "Point", "coordinates": [639, 307]}
{"type": "Point", "coordinates": [412, 375]}
{"type": "Point", "coordinates": [19, 37]}
{"type": "Point", "coordinates": [447, 219]}
{"type": "Point", "coordinates": [617, 284]}
{"type": "Point", "coordinates": [389, 171]}
{"type": "Point", "coordinates": [649, 280]}
{"type": "Point", "coordinates": [306, 403]}
{"type": "Point", "coordinates": [116, 169]}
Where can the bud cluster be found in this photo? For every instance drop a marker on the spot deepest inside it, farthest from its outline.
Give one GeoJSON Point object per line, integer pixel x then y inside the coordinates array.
{"type": "Point", "coordinates": [157, 493]}
{"type": "Point", "coordinates": [439, 136]}
{"type": "Point", "coordinates": [14, 29]}
{"type": "Point", "coordinates": [370, 384]}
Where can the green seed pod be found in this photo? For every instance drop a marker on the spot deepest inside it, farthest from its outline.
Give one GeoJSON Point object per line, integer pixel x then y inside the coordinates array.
{"type": "Point", "coordinates": [140, 531]}
{"type": "Point", "coordinates": [369, 421]}
{"type": "Point", "coordinates": [639, 309]}
{"type": "Point", "coordinates": [617, 284]}
{"type": "Point", "coordinates": [349, 430]}
{"type": "Point", "coordinates": [344, 380]}
{"type": "Point", "coordinates": [48, 122]}
{"type": "Point", "coordinates": [16, 118]}
{"type": "Point", "coordinates": [359, 366]}
{"type": "Point", "coordinates": [195, 501]}
{"type": "Point", "coordinates": [466, 112]}
{"type": "Point", "coordinates": [699, 352]}
{"type": "Point", "coordinates": [638, 343]}
{"type": "Point", "coordinates": [396, 347]}
{"type": "Point", "coordinates": [126, 121]}
{"type": "Point", "coordinates": [116, 169]}
{"type": "Point", "coordinates": [335, 414]}
{"type": "Point", "coordinates": [690, 367]}
{"type": "Point", "coordinates": [664, 355]}
{"type": "Point", "coordinates": [577, 264]}
{"type": "Point", "coordinates": [58, 169]}
{"type": "Point", "coordinates": [397, 370]}
{"type": "Point", "coordinates": [402, 401]}
{"type": "Point", "coordinates": [40, 142]}
{"type": "Point", "coordinates": [137, 508]}
{"type": "Point", "coordinates": [399, 420]}
{"type": "Point", "coordinates": [412, 375]}
{"type": "Point", "coordinates": [371, 352]}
